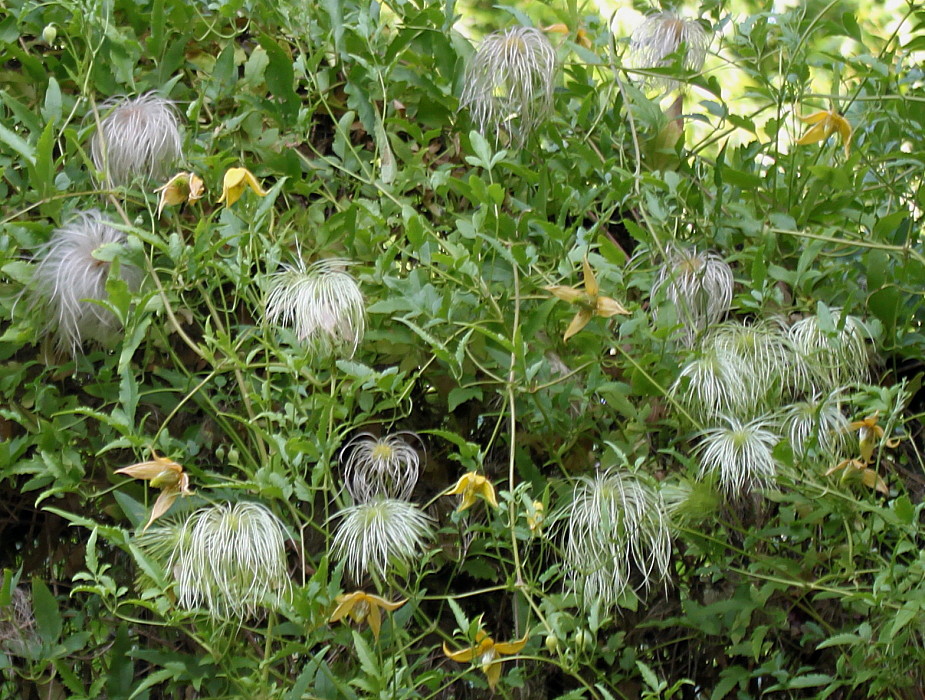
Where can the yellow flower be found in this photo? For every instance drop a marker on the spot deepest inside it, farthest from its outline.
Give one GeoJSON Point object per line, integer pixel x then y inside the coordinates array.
{"type": "Point", "coordinates": [590, 301]}
{"type": "Point", "coordinates": [581, 36]}
{"type": "Point", "coordinates": [824, 125]}
{"type": "Point", "coordinates": [236, 179]}
{"type": "Point", "coordinates": [182, 187]}
{"type": "Point", "coordinates": [535, 520]}
{"type": "Point", "coordinates": [486, 653]}
{"type": "Point", "coordinates": [471, 485]}
{"type": "Point", "coordinates": [164, 474]}
{"type": "Point", "coordinates": [360, 606]}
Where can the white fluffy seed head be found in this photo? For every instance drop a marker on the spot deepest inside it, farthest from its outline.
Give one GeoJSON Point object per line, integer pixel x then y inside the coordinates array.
{"type": "Point", "coordinates": [378, 536]}
{"type": "Point", "coordinates": [816, 424]}
{"type": "Point", "coordinates": [615, 525]}
{"type": "Point", "coordinates": [137, 137]}
{"type": "Point", "coordinates": [739, 454]}
{"type": "Point", "coordinates": [832, 357]}
{"type": "Point", "coordinates": [69, 280]}
{"type": "Point", "coordinates": [322, 303]}
{"type": "Point", "coordinates": [509, 82]}
{"type": "Point", "coordinates": [660, 35]}
{"type": "Point", "coordinates": [699, 285]}
{"type": "Point", "coordinates": [714, 383]}
{"type": "Point", "coordinates": [384, 466]}
{"type": "Point", "coordinates": [227, 558]}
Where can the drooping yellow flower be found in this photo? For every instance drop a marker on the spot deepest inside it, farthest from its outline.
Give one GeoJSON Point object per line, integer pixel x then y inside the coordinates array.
{"type": "Point", "coordinates": [360, 606]}
{"type": "Point", "coordinates": [581, 36]}
{"type": "Point", "coordinates": [487, 654]}
{"type": "Point", "coordinates": [536, 518]}
{"type": "Point", "coordinates": [471, 485]}
{"type": "Point", "coordinates": [589, 299]}
{"type": "Point", "coordinates": [182, 187]}
{"type": "Point", "coordinates": [236, 179]}
{"type": "Point", "coordinates": [824, 124]}
{"type": "Point", "coordinates": [869, 436]}
{"type": "Point", "coordinates": [164, 474]}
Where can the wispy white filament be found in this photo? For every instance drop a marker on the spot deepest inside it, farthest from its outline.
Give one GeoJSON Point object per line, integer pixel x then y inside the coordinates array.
{"type": "Point", "coordinates": [230, 559]}
{"type": "Point", "coordinates": [700, 287]}
{"type": "Point", "coordinates": [137, 137]}
{"type": "Point", "coordinates": [375, 536]}
{"type": "Point", "coordinates": [661, 35]}
{"type": "Point", "coordinates": [739, 454]}
{"type": "Point", "coordinates": [510, 78]}
{"type": "Point", "coordinates": [383, 466]}
{"type": "Point", "coordinates": [615, 525]}
{"type": "Point", "coordinates": [69, 281]}
{"type": "Point", "coordinates": [322, 303]}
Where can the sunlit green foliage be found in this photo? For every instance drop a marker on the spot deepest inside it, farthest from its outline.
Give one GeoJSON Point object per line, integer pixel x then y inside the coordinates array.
{"type": "Point", "coordinates": [610, 391]}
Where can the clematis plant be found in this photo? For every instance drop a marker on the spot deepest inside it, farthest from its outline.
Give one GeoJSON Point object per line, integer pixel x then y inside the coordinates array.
{"type": "Point", "coordinates": [824, 124]}
{"type": "Point", "coordinates": [364, 607]}
{"type": "Point", "coordinates": [164, 474]}
{"type": "Point", "coordinates": [470, 486]}
{"type": "Point", "coordinates": [234, 184]}
{"type": "Point", "coordinates": [181, 188]}
{"type": "Point", "coordinates": [589, 300]}
{"type": "Point", "coordinates": [487, 653]}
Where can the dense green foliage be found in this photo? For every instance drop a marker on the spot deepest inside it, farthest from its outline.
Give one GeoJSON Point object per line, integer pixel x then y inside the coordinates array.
{"type": "Point", "coordinates": [758, 558]}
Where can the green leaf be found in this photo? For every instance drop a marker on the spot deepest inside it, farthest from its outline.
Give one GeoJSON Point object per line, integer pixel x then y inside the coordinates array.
{"type": "Point", "coordinates": [47, 614]}
{"type": "Point", "coordinates": [18, 144]}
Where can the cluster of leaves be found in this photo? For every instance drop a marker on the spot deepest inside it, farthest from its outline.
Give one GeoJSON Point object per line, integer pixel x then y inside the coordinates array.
{"type": "Point", "coordinates": [347, 113]}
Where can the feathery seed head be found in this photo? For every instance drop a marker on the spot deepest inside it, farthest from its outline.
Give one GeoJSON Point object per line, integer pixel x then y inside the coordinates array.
{"type": "Point", "coordinates": [833, 353]}
{"type": "Point", "coordinates": [69, 280]}
{"type": "Point", "coordinates": [700, 287]}
{"type": "Point", "coordinates": [139, 137]}
{"type": "Point", "coordinates": [376, 536]}
{"type": "Point", "coordinates": [817, 422]}
{"type": "Point", "coordinates": [615, 525]}
{"type": "Point", "coordinates": [385, 466]}
{"type": "Point", "coordinates": [660, 35]}
{"type": "Point", "coordinates": [739, 454]}
{"type": "Point", "coordinates": [715, 383]}
{"type": "Point", "coordinates": [511, 78]}
{"type": "Point", "coordinates": [229, 558]}
{"type": "Point", "coordinates": [765, 353]}
{"type": "Point", "coordinates": [322, 303]}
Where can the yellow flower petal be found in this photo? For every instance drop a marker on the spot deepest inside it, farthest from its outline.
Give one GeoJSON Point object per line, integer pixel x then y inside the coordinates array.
{"type": "Point", "coordinates": [814, 135]}
{"type": "Point", "coordinates": [814, 118]}
{"type": "Point", "coordinates": [471, 485]}
{"type": "Point", "coordinates": [607, 307]}
{"type": "Point", "coordinates": [493, 674]}
{"type": "Point", "coordinates": [508, 648]}
{"type": "Point", "coordinates": [162, 505]}
{"type": "Point", "coordinates": [462, 656]}
{"type": "Point", "coordinates": [580, 321]}
{"type": "Point", "coordinates": [151, 469]}
{"type": "Point", "coordinates": [569, 294]}
{"type": "Point", "coordinates": [236, 179]}
{"type": "Point", "coordinates": [591, 287]}
{"type": "Point", "coordinates": [375, 620]}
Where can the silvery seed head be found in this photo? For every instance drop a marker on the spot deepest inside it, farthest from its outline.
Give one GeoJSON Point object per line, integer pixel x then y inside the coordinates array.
{"type": "Point", "coordinates": [615, 526]}
{"type": "Point", "coordinates": [322, 303]}
{"type": "Point", "coordinates": [227, 558]}
{"type": "Point", "coordinates": [378, 535]}
{"type": "Point", "coordinates": [816, 424]}
{"type": "Point", "coordinates": [661, 35]}
{"type": "Point", "coordinates": [766, 353]}
{"type": "Point", "coordinates": [137, 137]}
{"type": "Point", "coordinates": [715, 383]}
{"type": "Point", "coordinates": [384, 466]}
{"type": "Point", "coordinates": [700, 287]}
{"type": "Point", "coordinates": [832, 357]}
{"type": "Point", "coordinates": [739, 454]}
{"type": "Point", "coordinates": [510, 80]}
{"type": "Point", "coordinates": [69, 280]}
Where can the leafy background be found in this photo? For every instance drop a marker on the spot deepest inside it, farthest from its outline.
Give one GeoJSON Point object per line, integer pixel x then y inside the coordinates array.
{"type": "Point", "coordinates": [348, 113]}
